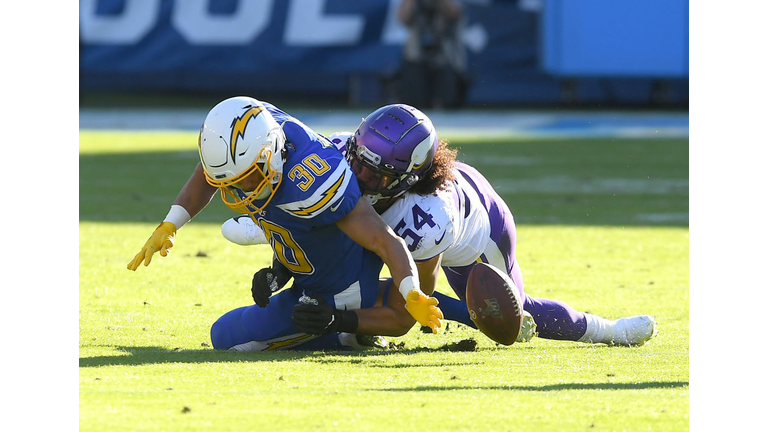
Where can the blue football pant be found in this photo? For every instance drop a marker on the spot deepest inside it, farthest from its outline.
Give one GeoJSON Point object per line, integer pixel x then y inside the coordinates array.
{"type": "Point", "coordinates": [253, 328]}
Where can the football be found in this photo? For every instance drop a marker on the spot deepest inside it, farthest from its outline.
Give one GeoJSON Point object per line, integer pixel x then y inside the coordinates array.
{"type": "Point", "coordinates": [494, 304]}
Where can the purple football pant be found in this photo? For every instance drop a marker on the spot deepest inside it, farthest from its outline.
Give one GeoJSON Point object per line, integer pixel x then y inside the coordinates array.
{"type": "Point", "coordinates": [554, 319]}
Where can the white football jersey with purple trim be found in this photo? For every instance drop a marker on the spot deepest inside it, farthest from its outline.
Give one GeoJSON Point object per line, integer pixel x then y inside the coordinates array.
{"type": "Point", "coordinates": [452, 222]}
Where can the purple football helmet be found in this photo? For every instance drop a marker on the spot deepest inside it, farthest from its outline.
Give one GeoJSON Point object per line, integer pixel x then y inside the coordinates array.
{"type": "Point", "coordinates": [390, 151]}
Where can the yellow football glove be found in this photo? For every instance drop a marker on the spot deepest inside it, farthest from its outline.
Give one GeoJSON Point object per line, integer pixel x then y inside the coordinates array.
{"type": "Point", "coordinates": [161, 240]}
{"type": "Point", "coordinates": [424, 309]}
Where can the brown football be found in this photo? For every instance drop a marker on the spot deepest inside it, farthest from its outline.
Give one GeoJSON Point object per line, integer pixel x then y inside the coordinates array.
{"type": "Point", "coordinates": [494, 303]}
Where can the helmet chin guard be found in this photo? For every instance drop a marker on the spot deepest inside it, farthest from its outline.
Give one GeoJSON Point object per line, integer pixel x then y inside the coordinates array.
{"type": "Point", "coordinates": [241, 140]}
{"type": "Point", "coordinates": [391, 150]}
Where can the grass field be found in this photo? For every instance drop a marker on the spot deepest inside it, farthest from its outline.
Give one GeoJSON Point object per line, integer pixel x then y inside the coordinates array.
{"type": "Point", "coordinates": [602, 225]}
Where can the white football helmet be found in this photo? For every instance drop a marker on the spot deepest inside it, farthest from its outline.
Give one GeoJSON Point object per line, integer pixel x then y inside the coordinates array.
{"type": "Point", "coordinates": [239, 138]}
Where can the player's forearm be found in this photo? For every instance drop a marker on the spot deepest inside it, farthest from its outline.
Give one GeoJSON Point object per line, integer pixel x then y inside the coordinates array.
{"type": "Point", "coordinates": [383, 321]}
{"type": "Point", "coordinates": [196, 193]}
{"type": "Point", "coordinates": [398, 260]}
{"type": "Point", "coordinates": [396, 256]}
{"type": "Point", "coordinates": [368, 229]}
{"type": "Point", "coordinates": [429, 271]}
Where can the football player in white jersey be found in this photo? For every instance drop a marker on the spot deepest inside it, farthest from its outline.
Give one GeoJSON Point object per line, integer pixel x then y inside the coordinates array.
{"type": "Point", "coordinates": [451, 218]}
{"type": "Point", "coordinates": [299, 190]}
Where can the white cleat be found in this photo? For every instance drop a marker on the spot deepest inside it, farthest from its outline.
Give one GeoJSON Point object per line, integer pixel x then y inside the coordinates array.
{"type": "Point", "coordinates": [634, 331]}
{"type": "Point", "coordinates": [528, 330]}
{"type": "Point", "coordinates": [243, 230]}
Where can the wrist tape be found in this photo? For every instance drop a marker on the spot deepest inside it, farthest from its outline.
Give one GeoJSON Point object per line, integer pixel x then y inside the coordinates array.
{"type": "Point", "coordinates": [408, 284]}
{"type": "Point", "coordinates": [348, 321]}
{"type": "Point", "coordinates": [178, 216]}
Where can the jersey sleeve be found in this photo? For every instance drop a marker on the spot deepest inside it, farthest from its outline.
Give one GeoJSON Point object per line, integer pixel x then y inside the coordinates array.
{"type": "Point", "coordinates": [279, 115]}
{"type": "Point", "coordinates": [322, 186]}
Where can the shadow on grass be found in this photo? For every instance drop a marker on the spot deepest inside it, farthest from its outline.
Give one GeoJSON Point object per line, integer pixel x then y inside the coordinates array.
{"type": "Point", "coordinates": [137, 356]}
{"type": "Point", "coordinates": [551, 387]}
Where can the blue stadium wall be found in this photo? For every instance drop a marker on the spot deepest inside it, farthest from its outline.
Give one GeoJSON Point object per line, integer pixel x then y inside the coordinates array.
{"type": "Point", "coordinates": [521, 52]}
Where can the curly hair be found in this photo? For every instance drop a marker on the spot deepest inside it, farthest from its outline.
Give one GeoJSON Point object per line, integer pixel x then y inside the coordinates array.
{"type": "Point", "coordinates": [440, 174]}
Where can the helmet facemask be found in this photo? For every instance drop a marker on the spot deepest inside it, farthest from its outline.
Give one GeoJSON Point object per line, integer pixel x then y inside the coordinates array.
{"type": "Point", "coordinates": [376, 180]}
{"type": "Point", "coordinates": [242, 201]}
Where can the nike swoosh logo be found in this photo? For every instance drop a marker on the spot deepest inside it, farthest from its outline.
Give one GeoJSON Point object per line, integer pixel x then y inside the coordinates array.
{"type": "Point", "coordinates": [441, 238]}
{"type": "Point", "coordinates": [333, 208]}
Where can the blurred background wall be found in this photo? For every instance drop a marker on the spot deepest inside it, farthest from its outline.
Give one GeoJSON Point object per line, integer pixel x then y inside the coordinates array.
{"type": "Point", "coordinates": [520, 53]}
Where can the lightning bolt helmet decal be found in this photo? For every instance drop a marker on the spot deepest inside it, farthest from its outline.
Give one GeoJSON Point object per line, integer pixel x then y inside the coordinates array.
{"type": "Point", "coordinates": [239, 124]}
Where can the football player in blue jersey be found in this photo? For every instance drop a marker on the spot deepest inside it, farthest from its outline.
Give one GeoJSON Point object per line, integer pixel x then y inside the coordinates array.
{"type": "Point", "coordinates": [299, 190]}
{"type": "Point", "coordinates": [451, 218]}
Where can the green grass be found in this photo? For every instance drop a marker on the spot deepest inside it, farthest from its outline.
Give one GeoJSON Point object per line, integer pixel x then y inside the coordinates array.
{"type": "Point", "coordinates": [602, 225]}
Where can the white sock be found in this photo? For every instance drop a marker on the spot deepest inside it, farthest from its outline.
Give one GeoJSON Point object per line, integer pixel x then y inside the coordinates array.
{"type": "Point", "coordinates": [599, 330]}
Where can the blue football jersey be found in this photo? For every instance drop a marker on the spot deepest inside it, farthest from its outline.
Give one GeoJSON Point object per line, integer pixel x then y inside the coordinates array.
{"type": "Point", "coordinates": [318, 189]}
